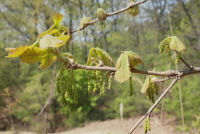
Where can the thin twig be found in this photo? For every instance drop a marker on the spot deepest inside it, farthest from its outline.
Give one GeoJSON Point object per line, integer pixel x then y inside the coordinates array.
{"type": "Point", "coordinates": [154, 105]}
{"type": "Point", "coordinates": [110, 14]}
{"type": "Point", "coordinates": [189, 66]}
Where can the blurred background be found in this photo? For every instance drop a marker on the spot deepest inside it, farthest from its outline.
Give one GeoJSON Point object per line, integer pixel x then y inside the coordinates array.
{"type": "Point", "coordinates": [25, 89]}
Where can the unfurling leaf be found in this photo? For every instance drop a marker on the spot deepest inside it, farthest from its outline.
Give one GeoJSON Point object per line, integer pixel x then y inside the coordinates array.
{"type": "Point", "coordinates": [172, 43]}
{"type": "Point", "coordinates": [150, 88]}
{"type": "Point", "coordinates": [145, 85]}
{"type": "Point", "coordinates": [123, 73]}
{"type": "Point", "coordinates": [134, 59]}
{"type": "Point", "coordinates": [176, 44]}
{"type": "Point", "coordinates": [91, 56]}
{"type": "Point", "coordinates": [104, 57]}
{"type": "Point", "coordinates": [101, 14]}
{"type": "Point", "coordinates": [97, 54]}
{"type": "Point", "coordinates": [16, 52]}
{"type": "Point", "coordinates": [49, 41]}
{"type": "Point", "coordinates": [57, 18]}
{"type": "Point", "coordinates": [164, 45]}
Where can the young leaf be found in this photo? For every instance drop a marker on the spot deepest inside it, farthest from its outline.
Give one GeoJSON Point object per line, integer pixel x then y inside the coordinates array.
{"type": "Point", "coordinates": [176, 44]}
{"type": "Point", "coordinates": [47, 61]}
{"type": "Point", "coordinates": [57, 18]}
{"type": "Point", "coordinates": [33, 55]}
{"type": "Point", "coordinates": [49, 41]}
{"type": "Point", "coordinates": [47, 31]}
{"type": "Point", "coordinates": [123, 73]}
{"type": "Point", "coordinates": [64, 38]}
{"type": "Point", "coordinates": [118, 63]}
{"type": "Point", "coordinates": [163, 44]}
{"type": "Point", "coordinates": [92, 54]}
{"type": "Point", "coordinates": [133, 58]}
{"type": "Point", "coordinates": [104, 57]}
{"type": "Point", "coordinates": [16, 52]}
{"type": "Point", "coordinates": [145, 85]}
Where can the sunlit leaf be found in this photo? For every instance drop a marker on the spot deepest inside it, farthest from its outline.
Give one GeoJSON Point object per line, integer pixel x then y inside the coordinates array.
{"type": "Point", "coordinates": [145, 85]}
{"type": "Point", "coordinates": [57, 18]}
{"type": "Point", "coordinates": [123, 73]}
{"type": "Point", "coordinates": [49, 41]}
{"type": "Point", "coordinates": [64, 38]}
{"type": "Point", "coordinates": [16, 52]}
{"type": "Point", "coordinates": [33, 55]}
{"type": "Point", "coordinates": [176, 44]}
{"type": "Point", "coordinates": [53, 31]}
{"type": "Point", "coordinates": [134, 59]}
{"type": "Point", "coordinates": [47, 61]}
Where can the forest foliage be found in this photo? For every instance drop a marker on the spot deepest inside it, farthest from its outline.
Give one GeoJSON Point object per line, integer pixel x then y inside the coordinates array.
{"type": "Point", "coordinates": [25, 88]}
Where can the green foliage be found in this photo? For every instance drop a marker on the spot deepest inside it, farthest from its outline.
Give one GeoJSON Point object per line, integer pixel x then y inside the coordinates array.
{"type": "Point", "coordinates": [190, 95]}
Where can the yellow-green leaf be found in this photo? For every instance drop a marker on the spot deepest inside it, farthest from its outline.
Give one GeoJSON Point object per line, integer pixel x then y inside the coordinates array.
{"type": "Point", "coordinates": [49, 41]}
{"type": "Point", "coordinates": [33, 55]}
{"type": "Point", "coordinates": [134, 59]}
{"type": "Point", "coordinates": [176, 44]}
{"type": "Point", "coordinates": [47, 31]}
{"type": "Point", "coordinates": [16, 52]}
{"type": "Point", "coordinates": [118, 63]}
{"type": "Point", "coordinates": [163, 44]}
{"type": "Point", "coordinates": [64, 38]}
{"type": "Point", "coordinates": [123, 73]}
{"type": "Point", "coordinates": [57, 18]}
{"type": "Point", "coordinates": [47, 61]}
{"type": "Point", "coordinates": [92, 54]}
{"type": "Point", "coordinates": [145, 85]}
{"type": "Point", "coordinates": [104, 57]}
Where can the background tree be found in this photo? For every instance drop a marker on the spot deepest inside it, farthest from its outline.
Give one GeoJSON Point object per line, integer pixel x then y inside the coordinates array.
{"type": "Point", "coordinates": [139, 30]}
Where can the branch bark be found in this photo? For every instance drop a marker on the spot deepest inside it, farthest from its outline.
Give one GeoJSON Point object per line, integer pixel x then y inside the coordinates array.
{"type": "Point", "coordinates": [154, 105]}
{"type": "Point", "coordinates": [110, 14]}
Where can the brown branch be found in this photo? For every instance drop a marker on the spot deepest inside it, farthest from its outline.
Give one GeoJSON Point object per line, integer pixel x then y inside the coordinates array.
{"type": "Point", "coordinates": [153, 106]}
{"type": "Point", "coordinates": [170, 73]}
{"type": "Point", "coordinates": [131, 5]}
{"type": "Point", "coordinates": [189, 66]}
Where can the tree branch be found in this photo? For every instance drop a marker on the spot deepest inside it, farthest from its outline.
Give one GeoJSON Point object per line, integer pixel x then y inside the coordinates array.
{"type": "Point", "coordinates": [154, 105]}
{"type": "Point", "coordinates": [131, 5]}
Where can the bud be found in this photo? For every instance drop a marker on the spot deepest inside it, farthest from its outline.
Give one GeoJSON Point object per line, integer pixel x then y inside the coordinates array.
{"type": "Point", "coordinates": [101, 14]}
{"type": "Point", "coordinates": [135, 10]}
{"type": "Point", "coordinates": [84, 21]}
